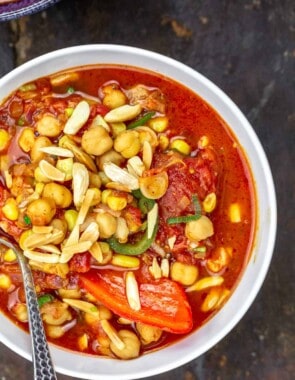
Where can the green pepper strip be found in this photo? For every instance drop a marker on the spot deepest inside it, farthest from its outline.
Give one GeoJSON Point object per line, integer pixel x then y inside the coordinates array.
{"type": "Point", "coordinates": [188, 218]}
{"type": "Point", "coordinates": [133, 249]}
{"type": "Point", "coordinates": [145, 204]}
{"type": "Point", "coordinates": [70, 90]}
{"type": "Point", "coordinates": [27, 220]}
{"type": "Point", "coordinates": [46, 298]}
{"type": "Point", "coordinates": [142, 120]}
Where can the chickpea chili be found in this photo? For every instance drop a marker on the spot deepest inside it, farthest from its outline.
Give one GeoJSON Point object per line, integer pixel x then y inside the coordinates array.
{"type": "Point", "coordinates": [128, 194]}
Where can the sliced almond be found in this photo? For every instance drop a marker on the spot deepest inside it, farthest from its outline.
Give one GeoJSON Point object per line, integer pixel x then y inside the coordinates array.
{"type": "Point", "coordinates": [155, 269]}
{"type": "Point", "coordinates": [132, 291]}
{"type": "Point", "coordinates": [41, 257]}
{"type": "Point", "coordinates": [137, 165]}
{"type": "Point", "coordinates": [118, 186]}
{"type": "Point", "coordinates": [152, 219]}
{"type": "Point", "coordinates": [147, 154]}
{"type": "Point", "coordinates": [165, 268]}
{"type": "Point", "coordinates": [80, 155]}
{"type": "Point", "coordinates": [8, 179]}
{"type": "Point", "coordinates": [112, 334]}
{"type": "Point", "coordinates": [123, 113]}
{"type": "Point", "coordinates": [85, 206]}
{"type": "Point", "coordinates": [80, 183]}
{"type": "Point", "coordinates": [78, 118]}
{"type": "Point", "coordinates": [91, 233]}
{"type": "Point", "coordinates": [35, 240]}
{"type": "Point", "coordinates": [171, 241]}
{"type": "Point", "coordinates": [69, 251]}
{"type": "Point", "coordinates": [87, 307]}
{"type": "Point", "coordinates": [74, 236]}
{"type": "Point", "coordinates": [56, 151]}
{"type": "Point", "coordinates": [50, 248]}
{"type": "Point", "coordinates": [116, 174]}
{"type": "Point", "coordinates": [96, 252]}
{"type": "Point", "coordinates": [51, 171]}
{"type": "Point", "coordinates": [42, 229]}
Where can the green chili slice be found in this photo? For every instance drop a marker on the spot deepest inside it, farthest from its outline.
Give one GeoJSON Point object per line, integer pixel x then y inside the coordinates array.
{"type": "Point", "coordinates": [188, 218]}
{"type": "Point", "coordinates": [46, 298]}
{"type": "Point", "coordinates": [142, 120]}
{"type": "Point", "coordinates": [27, 220]}
{"type": "Point", "coordinates": [133, 249]}
{"type": "Point", "coordinates": [70, 90]}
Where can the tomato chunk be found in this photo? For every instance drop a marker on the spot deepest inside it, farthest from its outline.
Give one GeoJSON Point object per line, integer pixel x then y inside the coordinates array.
{"type": "Point", "coordinates": [163, 302]}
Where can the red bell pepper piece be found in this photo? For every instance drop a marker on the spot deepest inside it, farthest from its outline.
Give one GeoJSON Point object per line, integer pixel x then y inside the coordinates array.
{"type": "Point", "coordinates": [163, 302]}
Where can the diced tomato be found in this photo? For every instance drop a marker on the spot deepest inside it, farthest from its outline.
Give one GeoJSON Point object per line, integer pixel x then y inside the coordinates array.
{"type": "Point", "coordinates": [132, 215]}
{"type": "Point", "coordinates": [163, 302]}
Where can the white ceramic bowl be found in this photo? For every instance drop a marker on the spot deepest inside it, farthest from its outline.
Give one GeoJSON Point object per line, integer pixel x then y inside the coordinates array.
{"type": "Point", "coordinates": [90, 367]}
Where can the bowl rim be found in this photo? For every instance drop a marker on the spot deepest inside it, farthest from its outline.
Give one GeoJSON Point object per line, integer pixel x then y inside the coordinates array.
{"type": "Point", "coordinates": [141, 367]}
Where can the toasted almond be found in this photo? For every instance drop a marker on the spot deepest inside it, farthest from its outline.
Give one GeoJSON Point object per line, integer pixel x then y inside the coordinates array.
{"type": "Point", "coordinates": [165, 268]}
{"type": "Point", "coordinates": [80, 155]}
{"type": "Point", "coordinates": [137, 165]}
{"type": "Point", "coordinates": [116, 174]}
{"type": "Point", "coordinates": [171, 241]}
{"type": "Point", "coordinates": [147, 154]}
{"type": "Point", "coordinates": [118, 186]}
{"type": "Point", "coordinates": [91, 233]}
{"type": "Point", "coordinates": [205, 283]}
{"type": "Point", "coordinates": [78, 118]}
{"type": "Point", "coordinates": [41, 257]}
{"type": "Point", "coordinates": [96, 252]}
{"type": "Point", "coordinates": [112, 334]}
{"type": "Point", "coordinates": [50, 248]}
{"type": "Point", "coordinates": [123, 113]}
{"type": "Point", "coordinates": [56, 151]}
{"type": "Point", "coordinates": [87, 307]}
{"type": "Point", "coordinates": [152, 219]}
{"type": "Point", "coordinates": [60, 79]}
{"type": "Point", "coordinates": [74, 236]}
{"type": "Point", "coordinates": [35, 240]}
{"type": "Point", "coordinates": [69, 251]}
{"type": "Point", "coordinates": [80, 183]}
{"type": "Point", "coordinates": [132, 291]}
{"type": "Point", "coordinates": [42, 229]}
{"type": "Point", "coordinates": [155, 269]}
{"type": "Point", "coordinates": [85, 206]}
{"type": "Point", "coordinates": [51, 171]}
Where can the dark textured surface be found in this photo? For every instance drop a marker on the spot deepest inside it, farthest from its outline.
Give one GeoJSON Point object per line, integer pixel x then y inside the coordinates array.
{"type": "Point", "coordinates": [248, 49]}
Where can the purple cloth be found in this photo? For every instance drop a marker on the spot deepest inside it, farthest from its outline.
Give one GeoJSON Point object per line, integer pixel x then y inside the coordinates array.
{"type": "Point", "coordinates": [23, 7]}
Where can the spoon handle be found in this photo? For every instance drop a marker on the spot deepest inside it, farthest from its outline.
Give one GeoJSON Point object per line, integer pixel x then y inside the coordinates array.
{"type": "Point", "coordinates": [43, 366]}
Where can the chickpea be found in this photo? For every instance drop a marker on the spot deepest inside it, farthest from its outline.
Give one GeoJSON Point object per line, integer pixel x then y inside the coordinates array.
{"type": "Point", "coordinates": [49, 126]}
{"type": "Point", "coordinates": [26, 139]}
{"type": "Point", "coordinates": [200, 229]}
{"type": "Point", "coordinates": [185, 274]}
{"type": "Point", "coordinates": [132, 345]}
{"type": "Point", "coordinates": [110, 156]}
{"type": "Point", "coordinates": [59, 193]}
{"type": "Point", "coordinates": [55, 313]}
{"type": "Point", "coordinates": [54, 331]}
{"type": "Point", "coordinates": [40, 142]}
{"type": "Point", "coordinates": [61, 225]}
{"type": "Point", "coordinates": [148, 334]}
{"type": "Point", "coordinates": [127, 143]}
{"type": "Point", "coordinates": [114, 97]}
{"type": "Point", "coordinates": [20, 311]}
{"type": "Point", "coordinates": [107, 224]}
{"type": "Point", "coordinates": [96, 141]}
{"type": "Point", "coordinates": [41, 211]}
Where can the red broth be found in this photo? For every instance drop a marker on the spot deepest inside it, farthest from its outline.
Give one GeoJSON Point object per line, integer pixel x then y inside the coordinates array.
{"type": "Point", "coordinates": [199, 155]}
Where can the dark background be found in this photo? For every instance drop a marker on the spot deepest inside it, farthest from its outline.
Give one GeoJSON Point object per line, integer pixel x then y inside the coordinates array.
{"type": "Point", "coordinates": [248, 49]}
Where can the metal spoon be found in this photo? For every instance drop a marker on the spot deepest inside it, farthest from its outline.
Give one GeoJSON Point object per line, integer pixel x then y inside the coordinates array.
{"type": "Point", "coordinates": [42, 362]}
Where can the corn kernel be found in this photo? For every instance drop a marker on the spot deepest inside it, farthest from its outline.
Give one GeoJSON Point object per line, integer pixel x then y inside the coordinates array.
{"type": "Point", "coordinates": [209, 202]}
{"type": "Point", "coordinates": [163, 142]}
{"type": "Point", "coordinates": [66, 166]}
{"type": "Point", "coordinates": [23, 237]}
{"type": "Point", "coordinates": [235, 213]}
{"type": "Point", "coordinates": [181, 146]}
{"type": "Point", "coordinates": [116, 203]}
{"type": "Point", "coordinates": [125, 261]}
{"type": "Point", "coordinates": [104, 195]}
{"type": "Point", "coordinates": [83, 342]}
{"type": "Point", "coordinates": [203, 142]}
{"type": "Point", "coordinates": [39, 187]}
{"type": "Point", "coordinates": [71, 218]}
{"type": "Point", "coordinates": [9, 256]}
{"type": "Point", "coordinates": [5, 281]}
{"type": "Point", "coordinates": [96, 196]}
{"type": "Point", "coordinates": [158, 124]}
{"type": "Point", "coordinates": [10, 209]}
{"type": "Point", "coordinates": [4, 140]}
